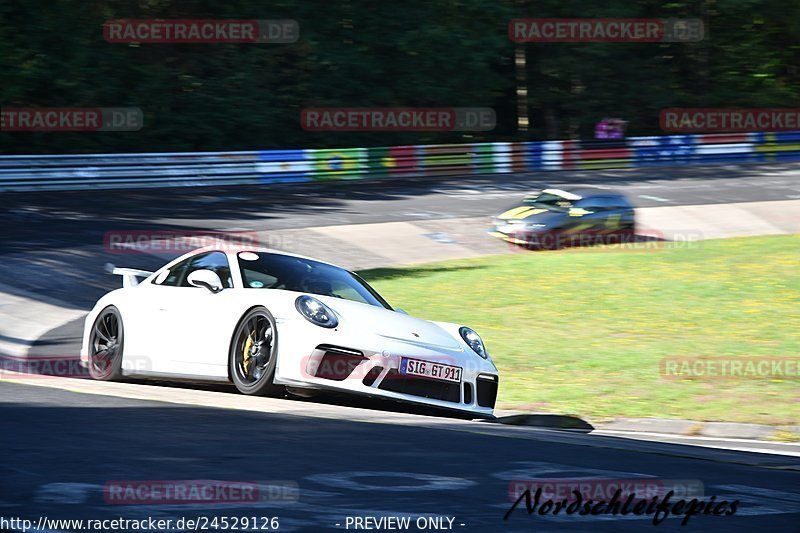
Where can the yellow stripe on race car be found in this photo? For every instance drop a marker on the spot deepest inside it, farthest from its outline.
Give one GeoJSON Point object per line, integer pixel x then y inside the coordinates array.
{"type": "Point", "coordinates": [579, 227]}
{"type": "Point", "coordinates": [506, 238]}
{"type": "Point", "coordinates": [613, 223]}
{"type": "Point", "coordinates": [521, 212]}
{"type": "Point", "coordinates": [512, 213]}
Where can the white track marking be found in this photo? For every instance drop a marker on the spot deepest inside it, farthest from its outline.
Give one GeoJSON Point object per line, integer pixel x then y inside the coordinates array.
{"type": "Point", "coordinates": [65, 493]}
{"type": "Point", "coordinates": [654, 198]}
{"type": "Point", "coordinates": [424, 482]}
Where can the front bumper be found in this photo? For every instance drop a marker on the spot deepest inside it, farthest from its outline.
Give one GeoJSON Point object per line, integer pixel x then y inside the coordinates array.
{"type": "Point", "coordinates": [512, 238]}
{"type": "Point", "coordinates": [519, 234]}
{"type": "Point", "coordinates": [372, 372]}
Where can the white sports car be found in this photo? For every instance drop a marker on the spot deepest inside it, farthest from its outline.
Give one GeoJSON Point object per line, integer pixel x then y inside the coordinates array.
{"type": "Point", "coordinates": [270, 321]}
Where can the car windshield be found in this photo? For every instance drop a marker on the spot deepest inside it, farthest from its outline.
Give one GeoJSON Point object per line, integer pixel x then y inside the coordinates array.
{"type": "Point", "coordinates": [551, 202]}
{"type": "Point", "coordinates": [277, 271]}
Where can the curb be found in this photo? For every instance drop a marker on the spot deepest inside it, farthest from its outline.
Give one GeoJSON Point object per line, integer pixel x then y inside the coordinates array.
{"type": "Point", "coordinates": [667, 426]}
{"type": "Point", "coordinates": [691, 428]}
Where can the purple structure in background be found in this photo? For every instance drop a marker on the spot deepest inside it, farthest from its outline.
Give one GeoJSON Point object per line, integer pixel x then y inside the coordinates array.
{"type": "Point", "coordinates": [610, 128]}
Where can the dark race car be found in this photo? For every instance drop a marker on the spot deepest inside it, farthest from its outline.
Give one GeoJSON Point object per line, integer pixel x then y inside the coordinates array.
{"type": "Point", "coordinates": [554, 218]}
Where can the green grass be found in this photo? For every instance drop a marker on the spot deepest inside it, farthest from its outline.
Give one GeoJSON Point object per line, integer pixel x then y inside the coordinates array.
{"type": "Point", "coordinates": [582, 331]}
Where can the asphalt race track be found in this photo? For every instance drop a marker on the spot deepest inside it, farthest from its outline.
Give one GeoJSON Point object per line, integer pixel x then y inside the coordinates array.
{"type": "Point", "coordinates": [52, 244]}
{"type": "Point", "coordinates": [337, 469]}
{"type": "Point", "coordinates": [54, 233]}
{"type": "Point", "coordinates": [320, 204]}
{"type": "Point", "coordinates": [61, 448]}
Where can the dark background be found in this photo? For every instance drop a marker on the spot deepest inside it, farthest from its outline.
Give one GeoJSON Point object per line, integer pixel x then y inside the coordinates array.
{"type": "Point", "coordinates": [366, 53]}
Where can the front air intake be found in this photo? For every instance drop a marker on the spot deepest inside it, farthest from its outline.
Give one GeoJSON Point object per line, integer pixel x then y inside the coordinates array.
{"type": "Point", "coordinates": [372, 375]}
{"type": "Point", "coordinates": [487, 390]}
{"type": "Point", "coordinates": [467, 393]}
{"type": "Point", "coordinates": [425, 388]}
{"type": "Point", "coordinates": [337, 363]}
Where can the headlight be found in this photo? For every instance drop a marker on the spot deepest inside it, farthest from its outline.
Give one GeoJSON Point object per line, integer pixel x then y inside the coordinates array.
{"type": "Point", "coordinates": [474, 341]}
{"type": "Point", "coordinates": [316, 312]}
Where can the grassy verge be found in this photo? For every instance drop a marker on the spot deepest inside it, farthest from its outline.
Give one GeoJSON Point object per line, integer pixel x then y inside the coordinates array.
{"type": "Point", "coordinates": [584, 331]}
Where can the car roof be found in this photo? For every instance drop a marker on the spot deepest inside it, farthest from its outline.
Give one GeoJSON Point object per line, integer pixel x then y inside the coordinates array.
{"type": "Point", "coordinates": [260, 249]}
{"type": "Point", "coordinates": [561, 192]}
{"type": "Point", "coordinates": [577, 194]}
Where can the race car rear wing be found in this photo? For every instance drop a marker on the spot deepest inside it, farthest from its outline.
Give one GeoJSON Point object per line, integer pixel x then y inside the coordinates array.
{"type": "Point", "coordinates": [130, 276]}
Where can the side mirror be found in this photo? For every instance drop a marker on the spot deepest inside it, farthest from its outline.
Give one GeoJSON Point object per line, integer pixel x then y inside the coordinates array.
{"type": "Point", "coordinates": [207, 279]}
{"type": "Point", "coordinates": [403, 311]}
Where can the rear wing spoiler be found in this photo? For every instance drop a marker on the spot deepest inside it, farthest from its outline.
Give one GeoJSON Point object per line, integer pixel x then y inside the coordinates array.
{"type": "Point", "coordinates": [130, 276]}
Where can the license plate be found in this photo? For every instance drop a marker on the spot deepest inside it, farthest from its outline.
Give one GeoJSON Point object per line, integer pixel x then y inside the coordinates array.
{"type": "Point", "coordinates": [428, 369]}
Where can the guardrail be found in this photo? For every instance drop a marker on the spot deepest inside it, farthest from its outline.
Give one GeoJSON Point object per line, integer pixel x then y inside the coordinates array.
{"type": "Point", "coordinates": [108, 171]}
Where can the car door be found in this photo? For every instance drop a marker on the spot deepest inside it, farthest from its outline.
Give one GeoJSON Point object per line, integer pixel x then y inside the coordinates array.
{"type": "Point", "coordinates": [612, 215]}
{"type": "Point", "coordinates": [587, 218]}
{"type": "Point", "coordinates": [621, 216]}
{"type": "Point", "coordinates": [148, 337]}
{"type": "Point", "coordinates": [192, 318]}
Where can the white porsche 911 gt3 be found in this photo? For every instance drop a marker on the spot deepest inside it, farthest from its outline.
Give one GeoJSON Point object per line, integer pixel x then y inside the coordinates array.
{"type": "Point", "coordinates": [268, 320]}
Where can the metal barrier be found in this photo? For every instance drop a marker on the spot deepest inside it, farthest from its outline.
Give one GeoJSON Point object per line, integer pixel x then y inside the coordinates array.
{"type": "Point", "coordinates": [109, 171]}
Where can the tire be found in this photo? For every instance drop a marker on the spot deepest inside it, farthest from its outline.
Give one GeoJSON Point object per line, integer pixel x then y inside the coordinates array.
{"type": "Point", "coordinates": [252, 364]}
{"type": "Point", "coordinates": [106, 344]}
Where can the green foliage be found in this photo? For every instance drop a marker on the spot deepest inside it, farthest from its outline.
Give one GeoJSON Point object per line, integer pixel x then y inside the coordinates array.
{"type": "Point", "coordinates": [357, 53]}
{"type": "Point", "coordinates": [585, 330]}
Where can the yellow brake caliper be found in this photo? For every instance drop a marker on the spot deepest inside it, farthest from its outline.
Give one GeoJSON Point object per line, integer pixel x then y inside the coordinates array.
{"type": "Point", "coordinates": [246, 353]}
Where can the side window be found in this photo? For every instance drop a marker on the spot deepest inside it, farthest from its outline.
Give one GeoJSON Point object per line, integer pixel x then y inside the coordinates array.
{"type": "Point", "coordinates": [607, 203]}
{"type": "Point", "coordinates": [214, 261]}
{"type": "Point", "coordinates": [255, 279]}
{"type": "Point", "coordinates": [590, 204]}
{"type": "Point", "coordinates": [175, 274]}
{"type": "Point", "coordinates": [618, 202]}
{"type": "Point", "coordinates": [597, 203]}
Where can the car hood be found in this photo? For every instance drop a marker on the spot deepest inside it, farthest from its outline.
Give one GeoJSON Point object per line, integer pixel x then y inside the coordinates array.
{"type": "Point", "coordinates": [526, 213]}
{"type": "Point", "coordinates": [390, 324]}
